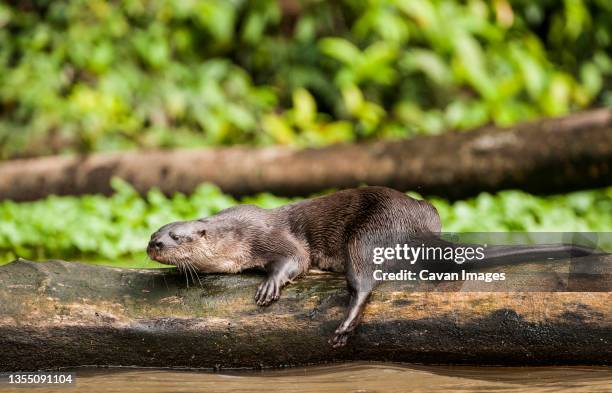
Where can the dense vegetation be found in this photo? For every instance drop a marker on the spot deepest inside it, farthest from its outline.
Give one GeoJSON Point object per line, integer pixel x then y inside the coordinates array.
{"type": "Point", "coordinates": [82, 75]}
{"type": "Point", "coordinates": [116, 229]}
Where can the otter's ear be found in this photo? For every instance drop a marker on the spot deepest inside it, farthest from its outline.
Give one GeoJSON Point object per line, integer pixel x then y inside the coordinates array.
{"type": "Point", "coordinates": [202, 232]}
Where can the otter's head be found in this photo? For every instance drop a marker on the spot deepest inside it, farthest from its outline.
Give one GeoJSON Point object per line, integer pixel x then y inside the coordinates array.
{"type": "Point", "coordinates": [209, 245]}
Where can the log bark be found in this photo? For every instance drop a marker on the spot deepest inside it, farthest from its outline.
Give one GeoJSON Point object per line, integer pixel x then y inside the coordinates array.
{"type": "Point", "coordinates": [66, 314]}
{"type": "Point", "coordinates": [551, 155]}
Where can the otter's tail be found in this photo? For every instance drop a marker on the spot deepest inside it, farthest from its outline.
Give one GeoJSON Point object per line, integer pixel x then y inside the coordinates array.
{"type": "Point", "coordinates": [499, 255]}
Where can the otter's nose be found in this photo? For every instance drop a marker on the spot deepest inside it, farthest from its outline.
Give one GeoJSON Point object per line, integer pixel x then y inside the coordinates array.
{"type": "Point", "coordinates": [156, 244]}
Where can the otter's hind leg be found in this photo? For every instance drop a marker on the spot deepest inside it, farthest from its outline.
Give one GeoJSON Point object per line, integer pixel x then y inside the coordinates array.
{"type": "Point", "coordinates": [360, 284]}
{"type": "Point", "coordinates": [353, 316]}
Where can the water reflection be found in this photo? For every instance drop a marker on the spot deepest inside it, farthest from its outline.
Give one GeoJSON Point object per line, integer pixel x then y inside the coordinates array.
{"type": "Point", "coordinates": [351, 377]}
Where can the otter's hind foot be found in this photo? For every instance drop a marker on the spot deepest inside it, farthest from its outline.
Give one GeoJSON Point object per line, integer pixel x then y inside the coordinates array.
{"type": "Point", "coordinates": [356, 305]}
{"type": "Point", "coordinates": [340, 338]}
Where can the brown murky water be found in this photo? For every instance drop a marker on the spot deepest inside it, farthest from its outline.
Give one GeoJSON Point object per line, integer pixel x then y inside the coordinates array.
{"type": "Point", "coordinates": [351, 377]}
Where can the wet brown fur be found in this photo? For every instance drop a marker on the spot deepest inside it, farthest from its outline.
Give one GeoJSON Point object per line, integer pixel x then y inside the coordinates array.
{"type": "Point", "coordinates": [330, 232]}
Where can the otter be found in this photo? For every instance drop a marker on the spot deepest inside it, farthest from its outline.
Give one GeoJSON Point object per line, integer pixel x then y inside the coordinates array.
{"type": "Point", "coordinates": [335, 232]}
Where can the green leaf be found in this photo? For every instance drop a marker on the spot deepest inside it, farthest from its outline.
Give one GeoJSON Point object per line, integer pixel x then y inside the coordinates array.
{"type": "Point", "coordinates": [341, 50]}
{"type": "Point", "coordinates": [305, 108]}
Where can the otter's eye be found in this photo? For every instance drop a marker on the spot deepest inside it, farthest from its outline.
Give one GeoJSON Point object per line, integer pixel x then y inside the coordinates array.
{"type": "Point", "coordinates": [173, 236]}
{"type": "Point", "coordinates": [202, 233]}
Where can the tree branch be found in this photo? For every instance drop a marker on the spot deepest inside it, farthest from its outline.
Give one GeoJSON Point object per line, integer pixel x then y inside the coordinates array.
{"type": "Point", "coordinates": [61, 314]}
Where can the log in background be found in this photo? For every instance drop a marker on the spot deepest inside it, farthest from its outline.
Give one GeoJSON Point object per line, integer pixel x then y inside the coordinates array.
{"type": "Point", "coordinates": [551, 155]}
{"type": "Point", "coordinates": [66, 314]}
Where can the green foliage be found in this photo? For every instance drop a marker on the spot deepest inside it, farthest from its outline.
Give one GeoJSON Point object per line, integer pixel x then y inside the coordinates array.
{"type": "Point", "coordinates": [579, 211]}
{"type": "Point", "coordinates": [97, 227]}
{"type": "Point", "coordinates": [83, 75]}
{"type": "Point", "coordinates": [116, 229]}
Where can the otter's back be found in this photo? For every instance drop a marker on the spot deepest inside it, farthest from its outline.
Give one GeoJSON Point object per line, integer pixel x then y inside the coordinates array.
{"type": "Point", "coordinates": [326, 224]}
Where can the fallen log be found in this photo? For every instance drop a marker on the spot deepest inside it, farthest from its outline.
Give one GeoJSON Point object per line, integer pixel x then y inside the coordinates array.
{"type": "Point", "coordinates": [551, 155]}
{"type": "Point", "coordinates": [65, 314]}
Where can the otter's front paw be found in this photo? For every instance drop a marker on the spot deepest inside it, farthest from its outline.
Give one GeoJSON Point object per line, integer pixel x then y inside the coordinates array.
{"type": "Point", "coordinates": [340, 337]}
{"type": "Point", "coordinates": [268, 291]}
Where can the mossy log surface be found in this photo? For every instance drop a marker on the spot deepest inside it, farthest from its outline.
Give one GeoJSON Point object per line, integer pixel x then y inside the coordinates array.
{"type": "Point", "coordinates": [65, 314]}
{"type": "Point", "coordinates": [547, 156]}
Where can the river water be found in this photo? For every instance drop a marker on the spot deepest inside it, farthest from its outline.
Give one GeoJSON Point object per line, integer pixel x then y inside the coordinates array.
{"type": "Point", "coordinates": [341, 378]}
